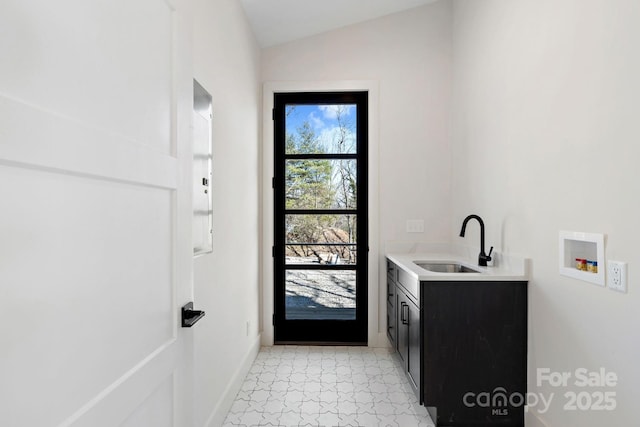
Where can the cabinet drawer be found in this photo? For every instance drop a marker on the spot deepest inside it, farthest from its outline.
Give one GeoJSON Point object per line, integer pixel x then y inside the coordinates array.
{"type": "Point", "coordinates": [410, 284]}
{"type": "Point", "coordinates": [391, 271]}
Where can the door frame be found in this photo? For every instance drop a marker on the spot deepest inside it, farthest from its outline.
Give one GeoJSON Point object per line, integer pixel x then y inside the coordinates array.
{"type": "Point", "coordinates": [376, 335]}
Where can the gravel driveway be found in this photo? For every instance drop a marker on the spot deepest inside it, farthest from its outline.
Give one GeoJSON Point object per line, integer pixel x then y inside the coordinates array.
{"type": "Point", "coordinates": [320, 294]}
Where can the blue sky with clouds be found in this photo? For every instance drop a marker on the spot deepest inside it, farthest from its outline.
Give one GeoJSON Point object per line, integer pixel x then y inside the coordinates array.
{"type": "Point", "coordinates": [324, 121]}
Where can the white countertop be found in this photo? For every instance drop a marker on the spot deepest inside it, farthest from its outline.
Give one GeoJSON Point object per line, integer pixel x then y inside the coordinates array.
{"type": "Point", "coordinates": [514, 270]}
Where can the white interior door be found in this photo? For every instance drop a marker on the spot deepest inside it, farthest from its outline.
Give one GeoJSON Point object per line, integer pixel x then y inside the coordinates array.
{"type": "Point", "coordinates": [95, 211]}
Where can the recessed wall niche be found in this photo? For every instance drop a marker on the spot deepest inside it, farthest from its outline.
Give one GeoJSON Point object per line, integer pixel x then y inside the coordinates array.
{"type": "Point", "coordinates": [576, 245]}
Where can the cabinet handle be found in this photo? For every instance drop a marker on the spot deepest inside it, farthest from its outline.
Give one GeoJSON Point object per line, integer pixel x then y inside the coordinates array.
{"type": "Point", "coordinates": [404, 318]}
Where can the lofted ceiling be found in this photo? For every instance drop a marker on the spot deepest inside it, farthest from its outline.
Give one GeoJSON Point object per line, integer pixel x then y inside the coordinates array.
{"type": "Point", "coordinates": [280, 21]}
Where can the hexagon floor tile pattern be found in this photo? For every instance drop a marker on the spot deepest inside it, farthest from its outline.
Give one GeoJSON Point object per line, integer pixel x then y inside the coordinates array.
{"type": "Point", "coordinates": [326, 386]}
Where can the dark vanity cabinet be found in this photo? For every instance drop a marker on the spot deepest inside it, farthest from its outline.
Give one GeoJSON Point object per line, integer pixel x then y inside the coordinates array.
{"type": "Point", "coordinates": [463, 345]}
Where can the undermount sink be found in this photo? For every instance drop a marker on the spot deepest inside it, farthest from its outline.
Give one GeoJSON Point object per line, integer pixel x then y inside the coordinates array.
{"type": "Point", "coordinates": [445, 267]}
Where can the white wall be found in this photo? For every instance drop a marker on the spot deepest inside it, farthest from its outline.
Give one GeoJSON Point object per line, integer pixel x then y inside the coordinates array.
{"type": "Point", "coordinates": [227, 281]}
{"type": "Point", "coordinates": [545, 137]}
{"type": "Point", "coordinates": [408, 54]}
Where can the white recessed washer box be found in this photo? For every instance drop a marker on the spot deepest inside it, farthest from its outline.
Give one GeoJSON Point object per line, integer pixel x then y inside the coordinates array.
{"type": "Point", "coordinates": [589, 246]}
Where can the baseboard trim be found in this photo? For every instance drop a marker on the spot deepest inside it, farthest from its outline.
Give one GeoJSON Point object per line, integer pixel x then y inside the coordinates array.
{"type": "Point", "coordinates": [381, 340]}
{"type": "Point", "coordinates": [219, 413]}
{"type": "Point", "coordinates": [533, 419]}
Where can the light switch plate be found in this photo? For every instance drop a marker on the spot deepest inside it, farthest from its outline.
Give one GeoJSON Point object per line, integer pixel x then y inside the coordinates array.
{"type": "Point", "coordinates": [415, 226]}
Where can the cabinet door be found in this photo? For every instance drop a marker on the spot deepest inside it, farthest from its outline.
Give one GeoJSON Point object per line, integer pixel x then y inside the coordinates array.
{"type": "Point", "coordinates": [475, 340]}
{"type": "Point", "coordinates": [403, 326]}
{"type": "Point", "coordinates": [414, 359]}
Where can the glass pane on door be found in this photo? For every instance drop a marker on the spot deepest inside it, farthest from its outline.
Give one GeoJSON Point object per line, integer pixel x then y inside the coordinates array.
{"type": "Point", "coordinates": [321, 184]}
{"type": "Point", "coordinates": [320, 294]}
{"type": "Point", "coordinates": [321, 239]}
{"type": "Point", "coordinates": [315, 129]}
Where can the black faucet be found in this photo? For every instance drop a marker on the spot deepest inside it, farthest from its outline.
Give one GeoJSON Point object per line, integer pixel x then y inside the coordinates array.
{"type": "Point", "coordinates": [482, 258]}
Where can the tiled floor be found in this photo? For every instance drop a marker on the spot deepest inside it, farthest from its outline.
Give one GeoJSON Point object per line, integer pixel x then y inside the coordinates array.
{"type": "Point", "coordinates": [326, 386]}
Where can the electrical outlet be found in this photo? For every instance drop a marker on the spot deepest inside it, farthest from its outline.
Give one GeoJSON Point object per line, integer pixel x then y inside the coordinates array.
{"type": "Point", "coordinates": [617, 276]}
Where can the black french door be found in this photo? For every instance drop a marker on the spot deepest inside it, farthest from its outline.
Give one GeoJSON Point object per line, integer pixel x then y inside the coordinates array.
{"type": "Point", "coordinates": [320, 217]}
